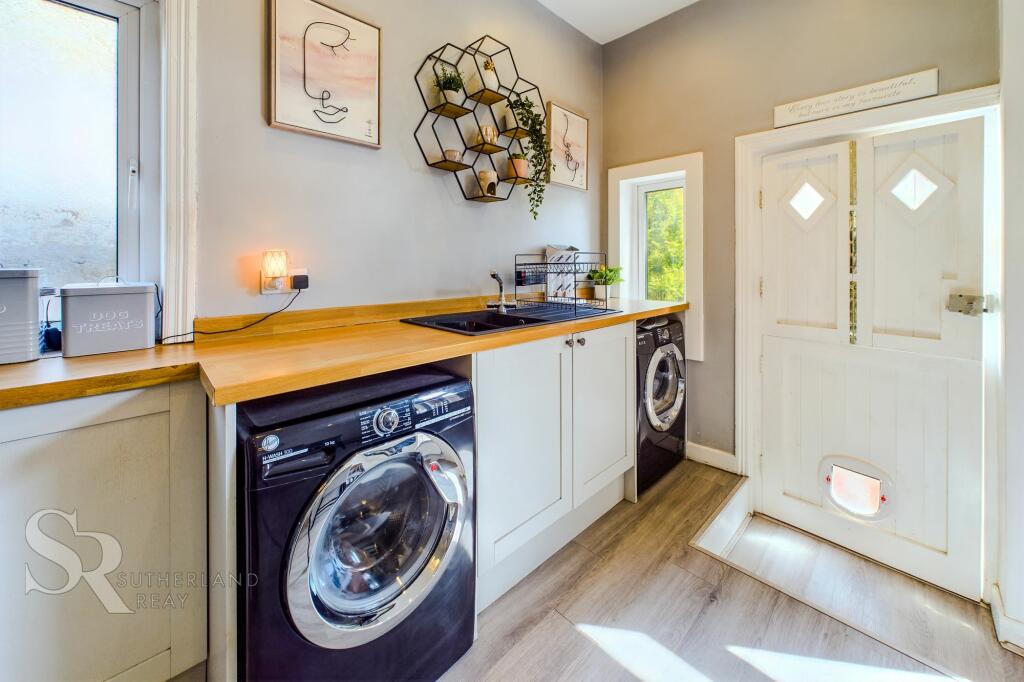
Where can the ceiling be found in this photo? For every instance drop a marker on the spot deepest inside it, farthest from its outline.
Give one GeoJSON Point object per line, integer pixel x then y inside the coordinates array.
{"type": "Point", "coordinates": [605, 20]}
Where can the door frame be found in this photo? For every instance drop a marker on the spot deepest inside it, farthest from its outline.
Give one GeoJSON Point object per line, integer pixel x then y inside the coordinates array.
{"type": "Point", "coordinates": [750, 150]}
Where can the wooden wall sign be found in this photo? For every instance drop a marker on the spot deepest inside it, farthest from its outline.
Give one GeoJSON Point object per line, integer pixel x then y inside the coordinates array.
{"type": "Point", "coordinates": [883, 93]}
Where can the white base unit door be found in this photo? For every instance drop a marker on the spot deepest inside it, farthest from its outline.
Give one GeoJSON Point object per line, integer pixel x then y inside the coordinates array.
{"type": "Point", "coordinates": [524, 444]}
{"type": "Point", "coordinates": [604, 408]}
{"type": "Point", "coordinates": [103, 508]}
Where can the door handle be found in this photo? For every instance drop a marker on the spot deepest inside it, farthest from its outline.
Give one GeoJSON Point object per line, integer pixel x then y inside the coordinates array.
{"type": "Point", "coordinates": [581, 341]}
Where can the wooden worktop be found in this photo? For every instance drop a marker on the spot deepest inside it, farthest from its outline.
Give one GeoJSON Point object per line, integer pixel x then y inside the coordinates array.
{"type": "Point", "coordinates": [243, 368]}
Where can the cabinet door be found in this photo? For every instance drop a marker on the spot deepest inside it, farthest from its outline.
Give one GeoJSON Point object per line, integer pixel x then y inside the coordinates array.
{"type": "Point", "coordinates": [103, 508]}
{"type": "Point", "coordinates": [604, 407]}
{"type": "Point", "coordinates": [524, 448]}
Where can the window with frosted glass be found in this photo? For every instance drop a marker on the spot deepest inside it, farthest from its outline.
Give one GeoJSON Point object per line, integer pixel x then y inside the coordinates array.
{"type": "Point", "coordinates": [58, 141]}
{"type": "Point", "coordinates": [665, 244]}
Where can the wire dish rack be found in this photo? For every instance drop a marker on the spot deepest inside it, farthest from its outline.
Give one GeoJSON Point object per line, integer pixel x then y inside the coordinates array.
{"type": "Point", "coordinates": [560, 287]}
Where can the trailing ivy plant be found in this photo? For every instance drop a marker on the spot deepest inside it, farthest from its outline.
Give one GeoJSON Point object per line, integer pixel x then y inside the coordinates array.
{"type": "Point", "coordinates": [539, 151]}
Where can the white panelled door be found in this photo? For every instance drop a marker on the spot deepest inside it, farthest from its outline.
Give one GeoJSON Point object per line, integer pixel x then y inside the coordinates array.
{"type": "Point", "coordinates": [872, 388]}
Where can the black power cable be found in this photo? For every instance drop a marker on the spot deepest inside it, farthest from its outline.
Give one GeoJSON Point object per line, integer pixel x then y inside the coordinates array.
{"type": "Point", "coordinates": [236, 329]}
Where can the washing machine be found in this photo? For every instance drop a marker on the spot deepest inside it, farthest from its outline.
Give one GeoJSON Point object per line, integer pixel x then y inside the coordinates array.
{"type": "Point", "coordinates": [661, 398]}
{"type": "Point", "coordinates": [356, 521]}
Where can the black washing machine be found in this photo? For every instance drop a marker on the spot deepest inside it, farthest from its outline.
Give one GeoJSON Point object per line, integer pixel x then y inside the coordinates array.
{"type": "Point", "coordinates": [356, 521]}
{"type": "Point", "coordinates": [661, 397]}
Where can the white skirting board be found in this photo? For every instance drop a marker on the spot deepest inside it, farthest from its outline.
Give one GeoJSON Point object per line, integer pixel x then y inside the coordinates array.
{"type": "Point", "coordinates": [720, 459]}
{"type": "Point", "coordinates": [1009, 631]}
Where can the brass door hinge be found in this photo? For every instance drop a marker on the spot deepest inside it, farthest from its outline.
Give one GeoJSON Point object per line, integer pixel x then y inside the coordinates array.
{"type": "Point", "coordinates": [760, 287]}
{"type": "Point", "coordinates": [760, 198]}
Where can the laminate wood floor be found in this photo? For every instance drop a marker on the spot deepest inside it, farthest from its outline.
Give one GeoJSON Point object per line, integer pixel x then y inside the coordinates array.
{"type": "Point", "coordinates": [930, 624]}
{"type": "Point", "coordinates": [630, 599]}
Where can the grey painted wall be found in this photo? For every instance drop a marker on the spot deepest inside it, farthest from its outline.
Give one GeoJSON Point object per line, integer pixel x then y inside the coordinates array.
{"type": "Point", "coordinates": [708, 73]}
{"type": "Point", "coordinates": [373, 226]}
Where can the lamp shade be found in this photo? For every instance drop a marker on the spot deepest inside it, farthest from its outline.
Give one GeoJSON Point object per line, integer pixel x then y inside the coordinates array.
{"type": "Point", "coordinates": [275, 263]}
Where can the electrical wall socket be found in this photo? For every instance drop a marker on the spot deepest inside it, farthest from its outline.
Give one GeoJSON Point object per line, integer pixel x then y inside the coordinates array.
{"type": "Point", "coordinates": [285, 288]}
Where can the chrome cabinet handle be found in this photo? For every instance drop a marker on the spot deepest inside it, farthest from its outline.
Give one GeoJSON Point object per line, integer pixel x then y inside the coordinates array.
{"type": "Point", "coordinates": [568, 342]}
{"type": "Point", "coordinates": [581, 341]}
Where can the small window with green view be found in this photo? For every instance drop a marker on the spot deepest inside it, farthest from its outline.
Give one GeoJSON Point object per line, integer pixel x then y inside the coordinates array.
{"type": "Point", "coordinates": [664, 243]}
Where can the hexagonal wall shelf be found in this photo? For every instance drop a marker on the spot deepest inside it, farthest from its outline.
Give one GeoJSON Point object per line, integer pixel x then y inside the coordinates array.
{"type": "Point", "coordinates": [451, 134]}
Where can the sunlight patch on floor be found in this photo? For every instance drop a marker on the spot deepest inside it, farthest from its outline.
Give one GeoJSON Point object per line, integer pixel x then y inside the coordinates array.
{"type": "Point", "coordinates": [641, 655]}
{"type": "Point", "coordinates": [783, 667]}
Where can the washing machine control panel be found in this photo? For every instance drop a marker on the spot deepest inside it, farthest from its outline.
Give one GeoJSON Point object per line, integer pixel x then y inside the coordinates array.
{"type": "Point", "coordinates": [383, 420]}
{"type": "Point", "coordinates": [431, 409]}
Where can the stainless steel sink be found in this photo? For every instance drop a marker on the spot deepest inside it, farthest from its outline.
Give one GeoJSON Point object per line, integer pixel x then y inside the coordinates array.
{"type": "Point", "coordinates": [477, 322]}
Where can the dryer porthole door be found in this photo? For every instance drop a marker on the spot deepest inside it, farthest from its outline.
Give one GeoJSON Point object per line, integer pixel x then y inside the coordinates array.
{"type": "Point", "coordinates": [664, 387]}
{"type": "Point", "coordinates": [375, 540]}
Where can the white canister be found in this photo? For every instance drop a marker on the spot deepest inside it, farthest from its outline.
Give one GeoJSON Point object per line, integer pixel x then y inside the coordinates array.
{"type": "Point", "coordinates": [19, 315]}
{"type": "Point", "coordinates": [107, 317]}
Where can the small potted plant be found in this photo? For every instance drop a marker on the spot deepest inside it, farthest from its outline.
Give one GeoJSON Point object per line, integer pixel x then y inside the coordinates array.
{"type": "Point", "coordinates": [449, 83]}
{"type": "Point", "coordinates": [518, 166]}
{"type": "Point", "coordinates": [604, 277]}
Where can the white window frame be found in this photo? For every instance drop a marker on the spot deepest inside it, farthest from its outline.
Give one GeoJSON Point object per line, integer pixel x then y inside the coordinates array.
{"type": "Point", "coordinates": [627, 226]}
{"type": "Point", "coordinates": [138, 136]}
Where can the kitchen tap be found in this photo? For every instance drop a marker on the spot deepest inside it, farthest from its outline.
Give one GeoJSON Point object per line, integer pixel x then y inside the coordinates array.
{"type": "Point", "coordinates": [502, 309]}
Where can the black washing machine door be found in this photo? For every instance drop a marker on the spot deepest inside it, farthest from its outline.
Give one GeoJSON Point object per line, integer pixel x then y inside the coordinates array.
{"type": "Point", "coordinates": [664, 387]}
{"type": "Point", "coordinates": [375, 540]}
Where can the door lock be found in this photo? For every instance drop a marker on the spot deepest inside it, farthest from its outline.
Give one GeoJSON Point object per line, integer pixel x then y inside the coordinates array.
{"type": "Point", "coordinates": [966, 304]}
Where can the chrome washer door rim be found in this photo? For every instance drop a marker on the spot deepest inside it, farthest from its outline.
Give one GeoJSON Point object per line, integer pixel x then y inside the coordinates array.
{"type": "Point", "coordinates": [665, 420]}
{"type": "Point", "coordinates": [333, 630]}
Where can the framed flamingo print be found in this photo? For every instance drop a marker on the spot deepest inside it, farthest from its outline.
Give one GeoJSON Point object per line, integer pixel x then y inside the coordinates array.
{"type": "Point", "coordinates": [568, 133]}
{"type": "Point", "coordinates": [325, 72]}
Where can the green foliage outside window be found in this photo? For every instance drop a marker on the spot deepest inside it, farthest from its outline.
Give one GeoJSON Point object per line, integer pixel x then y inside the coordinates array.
{"type": "Point", "coordinates": [666, 251]}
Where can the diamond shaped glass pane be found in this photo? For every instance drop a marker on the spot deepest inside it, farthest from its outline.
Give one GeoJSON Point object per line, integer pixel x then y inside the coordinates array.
{"type": "Point", "coordinates": [914, 189]}
{"type": "Point", "coordinates": [806, 201]}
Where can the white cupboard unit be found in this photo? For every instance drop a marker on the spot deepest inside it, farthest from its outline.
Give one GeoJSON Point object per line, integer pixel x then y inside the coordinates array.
{"type": "Point", "coordinates": [103, 501]}
{"type": "Point", "coordinates": [555, 433]}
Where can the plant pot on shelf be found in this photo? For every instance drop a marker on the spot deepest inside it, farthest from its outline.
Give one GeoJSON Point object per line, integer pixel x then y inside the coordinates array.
{"type": "Point", "coordinates": [601, 292]}
{"type": "Point", "coordinates": [510, 120]}
{"type": "Point", "coordinates": [519, 168]}
{"type": "Point", "coordinates": [453, 96]}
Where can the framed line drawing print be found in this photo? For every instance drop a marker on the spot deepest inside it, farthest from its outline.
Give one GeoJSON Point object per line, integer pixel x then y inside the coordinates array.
{"type": "Point", "coordinates": [569, 135]}
{"type": "Point", "coordinates": [325, 72]}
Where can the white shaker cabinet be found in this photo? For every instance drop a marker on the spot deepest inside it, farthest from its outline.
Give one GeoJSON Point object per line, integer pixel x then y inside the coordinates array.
{"type": "Point", "coordinates": [604, 408]}
{"type": "Point", "coordinates": [555, 426]}
{"type": "Point", "coordinates": [103, 509]}
{"type": "Point", "coordinates": [524, 443]}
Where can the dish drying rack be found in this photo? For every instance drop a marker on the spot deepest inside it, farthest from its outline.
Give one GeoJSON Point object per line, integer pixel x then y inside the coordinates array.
{"type": "Point", "coordinates": [561, 286]}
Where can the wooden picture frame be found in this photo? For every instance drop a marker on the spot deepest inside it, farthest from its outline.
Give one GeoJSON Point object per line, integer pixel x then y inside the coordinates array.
{"type": "Point", "coordinates": [570, 158]}
{"type": "Point", "coordinates": [315, 48]}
